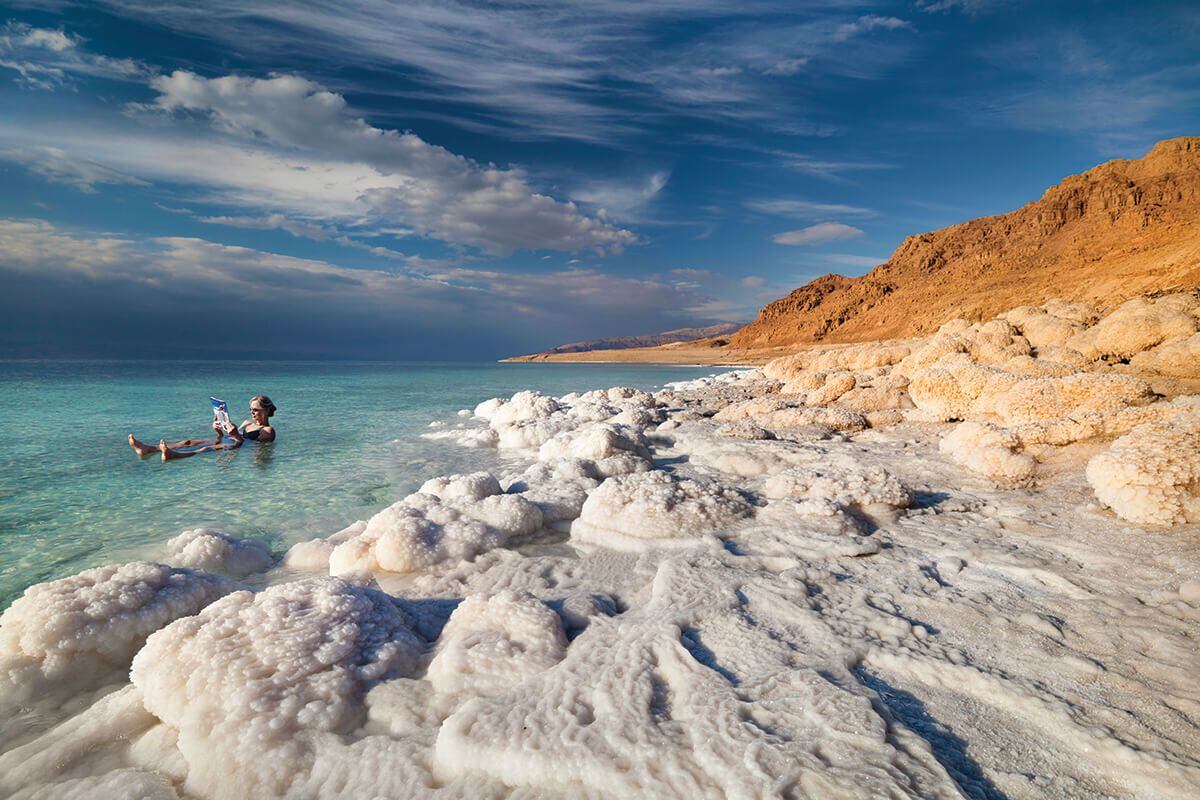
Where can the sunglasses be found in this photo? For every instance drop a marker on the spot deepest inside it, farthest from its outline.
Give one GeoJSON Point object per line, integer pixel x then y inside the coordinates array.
{"type": "Point", "coordinates": [257, 408]}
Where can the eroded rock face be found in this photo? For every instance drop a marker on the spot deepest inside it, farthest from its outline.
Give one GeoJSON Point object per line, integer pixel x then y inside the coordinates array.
{"type": "Point", "coordinates": [1099, 237]}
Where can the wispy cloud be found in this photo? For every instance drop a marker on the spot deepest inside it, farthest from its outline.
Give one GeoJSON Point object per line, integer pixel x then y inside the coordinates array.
{"type": "Point", "coordinates": [46, 59]}
{"type": "Point", "coordinates": [621, 200]}
{"type": "Point", "coordinates": [596, 72]}
{"type": "Point", "coordinates": [820, 233]}
{"type": "Point", "coordinates": [804, 209]}
{"type": "Point", "coordinates": [58, 166]}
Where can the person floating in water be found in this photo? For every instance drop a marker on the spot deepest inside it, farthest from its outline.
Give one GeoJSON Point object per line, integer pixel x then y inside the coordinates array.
{"type": "Point", "coordinates": [256, 429]}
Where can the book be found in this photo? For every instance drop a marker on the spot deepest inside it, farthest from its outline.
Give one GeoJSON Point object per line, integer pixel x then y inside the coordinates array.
{"type": "Point", "coordinates": [221, 413]}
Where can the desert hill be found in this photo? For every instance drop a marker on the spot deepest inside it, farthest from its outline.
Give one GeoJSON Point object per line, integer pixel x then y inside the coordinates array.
{"type": "Point", "coordinates": [627, 342]}
{"type": "Point", "coordinates": [1124, 228]}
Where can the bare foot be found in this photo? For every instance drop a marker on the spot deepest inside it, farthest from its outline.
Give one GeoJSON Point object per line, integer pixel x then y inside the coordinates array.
{"type": "Point", "coordinates": [167, 452]}
{"type": "Point", "coordinates": [140, 448]}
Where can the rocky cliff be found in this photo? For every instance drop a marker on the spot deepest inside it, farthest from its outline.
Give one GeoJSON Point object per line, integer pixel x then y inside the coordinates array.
{"type": "Point", "coordinates": [1124, 228]}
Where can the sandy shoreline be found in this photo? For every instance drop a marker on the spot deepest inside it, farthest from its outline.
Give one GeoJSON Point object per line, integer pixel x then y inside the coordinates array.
{"type": "Point", "coordinates": [961, 566]}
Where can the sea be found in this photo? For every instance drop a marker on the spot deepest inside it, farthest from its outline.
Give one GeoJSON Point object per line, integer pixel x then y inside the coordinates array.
{"type": "Point", "coordinates": [74, 495]}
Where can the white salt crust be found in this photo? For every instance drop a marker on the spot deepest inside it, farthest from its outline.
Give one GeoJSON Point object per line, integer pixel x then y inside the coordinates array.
{"type": "Point", "coordinates": [1151, 476]}
{"type": "Point", "coordinates": [77, 632]}
{"type": "Point", "coordinates": [202, 548]}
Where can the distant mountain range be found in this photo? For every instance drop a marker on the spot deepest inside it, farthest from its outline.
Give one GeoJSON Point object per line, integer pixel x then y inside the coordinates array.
{"type": "Point", "coordinates": [649, 340]}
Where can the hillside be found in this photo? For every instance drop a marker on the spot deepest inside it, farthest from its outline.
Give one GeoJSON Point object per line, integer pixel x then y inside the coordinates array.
{"type": "Point", "coordinates": [628, 342]}
{"type": "Point", "coordinates": [1126, 227]}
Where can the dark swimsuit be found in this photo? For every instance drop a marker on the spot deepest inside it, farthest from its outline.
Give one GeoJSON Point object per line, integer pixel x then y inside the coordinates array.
{"type": "Point", "coordinates": [251, 435]}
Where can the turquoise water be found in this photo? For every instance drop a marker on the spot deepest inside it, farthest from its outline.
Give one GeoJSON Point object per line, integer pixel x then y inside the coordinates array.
{"type": "Point", "coordinates": [74, 495]}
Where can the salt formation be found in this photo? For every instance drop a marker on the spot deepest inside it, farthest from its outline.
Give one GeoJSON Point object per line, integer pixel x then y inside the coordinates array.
{"type": "Point", "coordinates": [1151, 476]}
{"type": "Point", "coordinates": [313, 555]}
{"type": "Point", "coordinates": [839, 485]}
{"type": "Point", "coordinates": [256, 685]}
{"type": "Point", "coordinates": [215, 551]}
{"type": "Point", "coordinates": [453, 518]}
{"type": "Point", "coordinates": [990, 451]}
{"type": "Point", "coordinates": [1138, 325]}
{"type": "Point", "coordinates": [492, 643]}
{"type": "Point", "coordinates": [777, 412]}
{"type": "Point", "coordinates": [654, 509]}
{"type": "Point", "coordinates": [80, 631]}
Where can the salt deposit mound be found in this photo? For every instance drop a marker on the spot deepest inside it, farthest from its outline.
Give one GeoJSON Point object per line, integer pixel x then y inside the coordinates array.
{"type": "Point", "coordinates": [77, 632]}
{"type": "Point", "coordinates": [453, 518]}
{"type": "Point", "coordinates": [492, 643]}
{"type": "Point", "coordinates": [215, 551]}
{"type": "Point", "coordinates": [654, 509]}
{"type": "Point", "coordinates": [257, 685]}
{"type": "Point", "coordinates": [1151, 476]}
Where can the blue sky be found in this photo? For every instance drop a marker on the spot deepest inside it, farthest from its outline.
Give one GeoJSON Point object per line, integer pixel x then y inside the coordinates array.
{"type": "Point", "coordinates": [453, 180]}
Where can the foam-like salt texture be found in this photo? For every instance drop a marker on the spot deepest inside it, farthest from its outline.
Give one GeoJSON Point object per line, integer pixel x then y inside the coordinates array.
{"type": "Point", "coordinates": [1151, 476]}
{"type": "Point", "coordinates": [251, 683]}
{"type": "Point", "coordinates": [78, 632]}
{"type": "Point", "coordinates": [424, 529]}
{"type": "Point", "coordinates": [493, 642]}
{"type": "Point", "coordinates": [989, 451]}
{"type": "Point", "coordinates": [202, 548]}
{"type": "Point", "coordinates": [654, 509]}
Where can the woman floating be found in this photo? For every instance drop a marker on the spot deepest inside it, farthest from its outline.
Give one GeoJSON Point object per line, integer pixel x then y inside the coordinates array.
{"type": "Point", "coordinates": [257, 429]}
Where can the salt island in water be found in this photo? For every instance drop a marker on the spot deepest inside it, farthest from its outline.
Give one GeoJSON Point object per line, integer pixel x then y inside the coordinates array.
{"type": "Point", "coordinates": [958, 566]}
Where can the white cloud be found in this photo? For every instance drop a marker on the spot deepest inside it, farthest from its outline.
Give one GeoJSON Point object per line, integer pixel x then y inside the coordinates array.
{"type": "Point", "coordinates": [47, 59]}
{"type": "Point", "coordinates": [805, 209]}
{"type": "Point", "coordinates": [57, 166]}
{"type": "Point", "coordinates": [817, 234]}
{"type": "Point", "coordinates": [621, 200]}
{"type": "Point", "coordinates": [286, 146]}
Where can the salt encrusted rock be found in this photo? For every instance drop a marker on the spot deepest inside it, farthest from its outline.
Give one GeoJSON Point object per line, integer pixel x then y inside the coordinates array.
{"type": "Point", "coordinates": [777, 412]}
{"type": "Point", "coordinates": [424, 529]}
{"type": "Point", "coordinates": [958, 388]}
{"type": "Point", "coordinates": [520, 407]}
{"type": "Point", "coordinates": [1037, 367]}
{"type": "Point", "coordinates": [1048, 398]}
{"type": "Point", "coordinates": [654, 509]}
{"type": "Point", "coordinates": [492, 643]}
{"type": "Point", "coordinates": [313, 555]}
{"type": "Point", "coordinates": [1137, 325]}
{"type": "Point", "coordinates": [75, 632]}
{"type": "Point", "coordinates": [853, 358]}
{"type": "Point", "coordinates": [839, 484]}
{"type": "Point", "coordinates": [256, 683]}
{"type": "Point", "coordinates": [215, 551]}
{"type": "Point", "coordinates": [989, 451]}
{"type": "Point", "coordinates": [1151, 476]}
{"type": "Point", "coordinates": [1180, 359]}
{"type": "Point", "coordinates": [472, 486]}
{"type": "Point", "coordinates": [596, 441]}
{"type": "Point", "coordinates": [820, 388]}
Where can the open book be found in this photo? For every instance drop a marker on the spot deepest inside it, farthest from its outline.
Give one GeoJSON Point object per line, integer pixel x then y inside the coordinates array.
{"type": "Point", "coordinates": [221, 413]}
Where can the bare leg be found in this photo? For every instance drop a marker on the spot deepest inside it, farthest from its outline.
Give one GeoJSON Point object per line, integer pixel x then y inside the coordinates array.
{"type": "Point", "coordinates": [169, 452]}
{"type": "Point", "coordinates": [140, 448]}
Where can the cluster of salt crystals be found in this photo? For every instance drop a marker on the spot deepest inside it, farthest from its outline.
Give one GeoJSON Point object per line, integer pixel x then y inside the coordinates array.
{"type": "Point", "coordinates": [78, 633]}
{"type": "Point", "coordinates": [214, 551]}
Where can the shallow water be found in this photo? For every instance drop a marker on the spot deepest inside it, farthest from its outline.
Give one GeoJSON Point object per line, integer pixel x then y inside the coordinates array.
{"type": "Point", "coordinates": [74, 495]}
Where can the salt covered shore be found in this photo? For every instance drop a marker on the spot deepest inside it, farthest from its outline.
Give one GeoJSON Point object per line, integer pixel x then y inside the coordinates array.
{"type": "Point", "coordinates": [962, 566]}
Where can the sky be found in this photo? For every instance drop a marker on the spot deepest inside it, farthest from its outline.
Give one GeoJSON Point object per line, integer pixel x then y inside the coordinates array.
{"type": "Point", "coordinates": [369, 179]}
